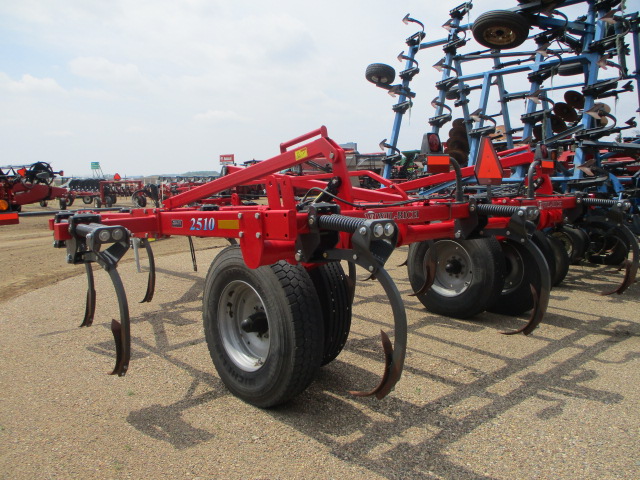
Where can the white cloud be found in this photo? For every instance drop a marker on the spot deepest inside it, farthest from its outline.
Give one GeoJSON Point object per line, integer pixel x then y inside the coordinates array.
{"type": "Point", "coordinates": [103, 70]}
{"type": "Point", "coordinates": [137, 129]}
{"type": "Point", "coordinates": [29, 84]}
{"type": "Point", "coordinates": [59, 133]}
{"type": "Point", "coordinates": [219, 115]}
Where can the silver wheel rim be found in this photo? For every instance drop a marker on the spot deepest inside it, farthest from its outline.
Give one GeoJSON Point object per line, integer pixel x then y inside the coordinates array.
{"type": "Point", "coordinates": [454, 271]}
{"type": "Point", "coordinates": [240, 301]}
{"type": "Point", "coordinates": [515, 269]}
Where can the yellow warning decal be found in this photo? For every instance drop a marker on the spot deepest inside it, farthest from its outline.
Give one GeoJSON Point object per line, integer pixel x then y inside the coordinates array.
{"type": "Point", "coordinates": [229, 224]}
{"type": "Point", "coordinates": [302, 153]}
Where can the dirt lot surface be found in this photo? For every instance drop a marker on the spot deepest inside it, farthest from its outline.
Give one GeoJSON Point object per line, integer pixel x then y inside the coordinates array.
{"type": "Point", "coordinates": [472, 404]}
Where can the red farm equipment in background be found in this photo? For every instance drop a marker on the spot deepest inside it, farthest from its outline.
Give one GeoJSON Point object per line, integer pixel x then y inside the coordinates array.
{"type": "Point", "coordinates": [26, 184]}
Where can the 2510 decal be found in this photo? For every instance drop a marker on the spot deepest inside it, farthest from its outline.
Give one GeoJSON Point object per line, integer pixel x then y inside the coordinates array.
{"type": "Point", "coordinates": [204, 224]}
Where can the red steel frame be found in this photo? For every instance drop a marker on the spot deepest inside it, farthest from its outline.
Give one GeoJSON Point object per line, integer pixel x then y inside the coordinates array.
{"type": "Point", "coordinates": [268, 233]}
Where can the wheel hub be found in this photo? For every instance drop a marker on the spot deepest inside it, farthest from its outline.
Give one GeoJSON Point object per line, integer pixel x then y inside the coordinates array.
{"type": "Point", "coordinates": [500, 35]}
{"type": "Point", "coordinates": [453, 266]}
{"type": "Point", "coordinates": [453, 271]}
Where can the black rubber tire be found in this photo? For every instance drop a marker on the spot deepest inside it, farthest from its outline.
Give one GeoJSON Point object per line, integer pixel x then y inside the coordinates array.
{"type": "Point", "coordinates": [333, 291]}
{"type": "Point", "coordinates": [108, 201]}
{"type": "Point", "coordinates": [70, 201]}
{"type": "Point", "coordinates": [573, 241]}
{"type": "Point", "coordinates": [380, 74]}
{"type": "Point", "coordinates": [561, 260]}
{"type": "Point", "coordinates": [43, 203]}
{"type": "Point", "coordinates": [485, 276]}
{"type": "Point", "coordinates": [139, 199]}
{"type": "Point", "coordinates": [501, 29]}
{"type": "Point", "coordinates": [87, 199]}
{"type": "Point", "coordinates": [97, 202]}
{"type": "Point", "coordinates": [295, 328]}
{"type": "Point", "coordinates": [62, 203]}
{"type": "Point", "coordinates": [521, 272]}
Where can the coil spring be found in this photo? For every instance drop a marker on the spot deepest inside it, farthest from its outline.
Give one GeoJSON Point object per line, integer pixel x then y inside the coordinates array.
{"type": "Point", "coordinates": [499, 210]}
{"type": "Point", "coordinates": [603, 202]}
{"type": "Point", "coordinates": [339, 223]}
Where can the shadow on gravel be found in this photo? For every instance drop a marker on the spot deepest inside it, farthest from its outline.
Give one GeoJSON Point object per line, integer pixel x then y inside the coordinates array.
{"type": "Point", "coordinates": [166, 422]}
{"type": "Point", "coordinates": [397, 438]}
{"type": "Point", "coordinates": [402, 439]}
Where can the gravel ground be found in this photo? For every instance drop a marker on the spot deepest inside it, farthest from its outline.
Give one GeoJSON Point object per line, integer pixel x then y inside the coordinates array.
{"type": "Point", "coordinates": [559, 404]}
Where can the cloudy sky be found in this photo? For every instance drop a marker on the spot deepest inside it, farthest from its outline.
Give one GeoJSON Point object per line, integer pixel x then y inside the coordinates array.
{"type": "Point", "coordinates": [167, 86]}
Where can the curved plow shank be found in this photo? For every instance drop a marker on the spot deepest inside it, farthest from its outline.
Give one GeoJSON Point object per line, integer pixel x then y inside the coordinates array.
{"type": "Point", "coordinates": [351, 281]}
{"type": "Point", "coordinates": [121, 330]}
{"type": "Point", "coordinates": [429, 271]}
{"type": "Point", "coordinates": [90, 305]}
{"type": "Point", "coordinates": [541, 298]}
{"type": "Point", "coordinates": [193, 254]}
{"type": "Point", "coordinates": [630, 266]}
{"type": "Point", "coordinates": [388, 358]}
{"type": "Point", "coordinates": [394, 356]}
{"type": "Point", "coordinates": [151, 280]}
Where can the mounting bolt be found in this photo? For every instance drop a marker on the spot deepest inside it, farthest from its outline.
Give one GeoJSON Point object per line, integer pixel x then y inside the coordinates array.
{"type": "Point", "coordinates": [298, 256]}
{"type": "Point", "coordinates": [508, 232]}
{"type": "Point", "coordinates": [522, 240]}
{"type": "Point", "coordinates": [325, 255]}
{"type": "Point", "coordinates": [311, 220]}
{"type": "Point", "coordinates": [566, 219]}
{"type": "Point", "coordinates": [258, 234]}
{"type": "Point", "coordinates": [521, 213]}
{"type": "Point", "coordinates": [239, 215]}
{"type": "Point", "coordinates": [355, 257]}
{"type": "Point", "coordinates": [240, 234]}
{"type": "Point", "coordinates": [370, 268]}
{"type": "Point", "coordinates": [363, 230]}
{"type": "Point", "coordinates": [472, 208]}
{"type": "Point", "coordinates": [458, 234]}
{"type": "Point", "coordinates": [257, 215]}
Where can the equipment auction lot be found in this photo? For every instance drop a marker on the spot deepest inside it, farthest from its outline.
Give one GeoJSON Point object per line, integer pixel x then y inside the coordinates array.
{"type": "Point", "coordinates": [561, 403]}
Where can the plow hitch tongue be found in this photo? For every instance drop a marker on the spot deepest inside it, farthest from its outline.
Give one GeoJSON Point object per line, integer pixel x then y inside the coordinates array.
{"type": "Point", "coordinates": [372, 242]}
{"type": "Point", "coordinates": [92, 241]}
